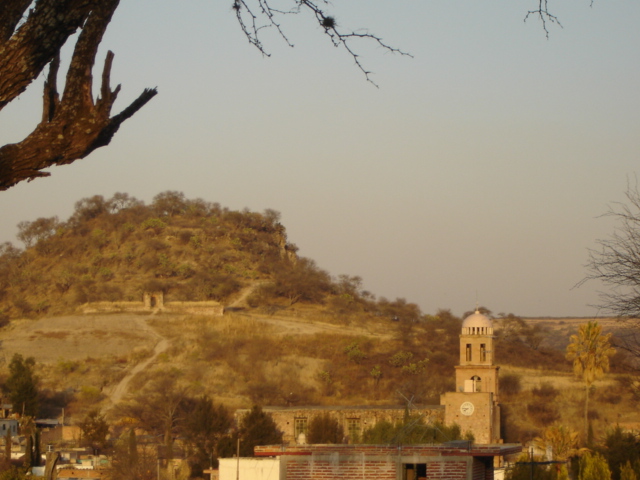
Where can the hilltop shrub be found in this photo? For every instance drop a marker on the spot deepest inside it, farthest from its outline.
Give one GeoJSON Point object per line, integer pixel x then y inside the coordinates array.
{"type": "Point", "coordinates": [354, 354]}
{"type": "Point", "coordinates": [545, 391]}
{"type": "Point", "coordinates": [154, 225]}
{"type": "Point", "coordinates": [510, 384]}
{"type": "Point", "coordinates": [399, 359]}
{"type": "Point", "coordinates": [542, 412]}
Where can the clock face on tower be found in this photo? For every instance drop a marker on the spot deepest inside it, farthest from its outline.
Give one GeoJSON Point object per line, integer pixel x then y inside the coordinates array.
{"type": "Point", "coordinates": [467, 408]}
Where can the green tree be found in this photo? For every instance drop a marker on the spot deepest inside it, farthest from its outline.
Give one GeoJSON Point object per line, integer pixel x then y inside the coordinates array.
{"type": "Point", "coordinates": [325, 429]}
{"type": "Point", "coordinates": [31, 233]}
{"type": "Point", "coordinates": [160, 407]}
{"type": "Point", "coordinates": [95, 430]}
{"type": "Point", "coordinates": [257, 428]}
{"type": "Point", "coordinates": [14, 473]}
{"type": "Point", "coordinates": [22, 385]}
{"type": "Point", "coordinates": [589, 351]}
{"type": "Point", "coordinates": [627, 472]}
{"type": "Point", "coordinates": [620, 447]}
{"type": "Point", "coordinates": [562, 440]}
{"type": "Point", "coordinates": [7, 446]}
{"type": "Point", "coordinates": [594, 467]}
{"type": "Point", "coordinates": [376, 374]}
{"type": "Point", "coordinates": [131, 461]}
{"type": "Point", "coordinates": [300, 281]}
{"type": "Point", "coordinates": [523, 470]}
{"type": "Point", "coordinates": [203, 428]}
{"type": "Point", "coordinates": [412, 430]}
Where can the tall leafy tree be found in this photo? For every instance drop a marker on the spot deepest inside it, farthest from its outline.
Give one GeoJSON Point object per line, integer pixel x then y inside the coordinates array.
{"type": "Point", "coordinates": [131, 461]}
{"type": "Point", "coordinates": [325, 429]}
{"type": "Point", "coordinates": [620, 448]}
{"type": "Point", "coordinates": [22, 385]}
{"type": "Point", "coordinates": [562, 440]}
{"type": "Point", "coordinates": [257, 428]}
{"type": "Point", "coordinates": [594, 467]}
{"type": "Point", "coordinates": [204, 427]}
{"type": "Point", "coordinates": [95, 430]}
{"type": "Point", "coordinates": [160, 406]}
{"type": "Point", "coordinates": [627, 472]}
{"type": "Point", "coordinates": [589, 351]}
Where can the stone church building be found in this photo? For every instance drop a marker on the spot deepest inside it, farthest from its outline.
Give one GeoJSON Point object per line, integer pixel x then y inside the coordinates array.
{"type": "Point", "coordinates": [473, 406]}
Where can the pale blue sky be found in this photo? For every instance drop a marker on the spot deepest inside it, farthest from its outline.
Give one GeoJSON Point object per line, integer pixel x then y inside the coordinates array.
{"type": "Point", "coordinates": [481, 165]}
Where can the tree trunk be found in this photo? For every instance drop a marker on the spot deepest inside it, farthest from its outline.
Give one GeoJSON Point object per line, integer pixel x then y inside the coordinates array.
{"type": "Point", "coordinates": [586, 412]}
{"type": "Point", "coordinates": [73, 125]}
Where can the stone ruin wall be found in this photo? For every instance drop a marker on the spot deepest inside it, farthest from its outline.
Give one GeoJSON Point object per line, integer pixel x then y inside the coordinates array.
{"type": "Point", "coordinates": [155, 302]}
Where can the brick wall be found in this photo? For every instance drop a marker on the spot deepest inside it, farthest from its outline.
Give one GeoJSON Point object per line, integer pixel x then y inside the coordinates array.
{"type": "Point", "coordinates": [383, 462]}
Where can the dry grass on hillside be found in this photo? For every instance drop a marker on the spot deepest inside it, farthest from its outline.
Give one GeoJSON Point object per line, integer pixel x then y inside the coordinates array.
{"type": "Point", "coordinates": [298, 359]}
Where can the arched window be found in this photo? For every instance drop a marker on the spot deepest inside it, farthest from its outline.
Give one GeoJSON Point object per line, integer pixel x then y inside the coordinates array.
{"type": "Point", "coordinates": [477, 383]}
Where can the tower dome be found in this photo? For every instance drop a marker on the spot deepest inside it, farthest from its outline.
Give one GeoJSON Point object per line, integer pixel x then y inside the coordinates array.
{"type": "Point", "coordinates": [477, 324]}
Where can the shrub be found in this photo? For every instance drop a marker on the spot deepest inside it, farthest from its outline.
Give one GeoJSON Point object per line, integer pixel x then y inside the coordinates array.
{"type": "Point", "coordinates": [325, 429]}
{"type": "Point", "coordinates": [543, 412]}
{"type": "Point", "coordinates": [154, 224]}
{"type": "Point", "coordinates": [610, 397]}
{"type": "Point", "coordinates": [546, 391]}
{"type": "Point", "coordinates": [354, 353]}
{"type": "Point", "coordinates": [400, 358]}
{"type": "Point", "coordinates": [67, 366]}
{"type": "Point", "coordinates": [511, 384]}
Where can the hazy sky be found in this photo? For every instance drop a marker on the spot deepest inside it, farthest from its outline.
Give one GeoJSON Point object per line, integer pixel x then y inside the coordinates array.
{"type": "Point", "coordinates": [479, 167]}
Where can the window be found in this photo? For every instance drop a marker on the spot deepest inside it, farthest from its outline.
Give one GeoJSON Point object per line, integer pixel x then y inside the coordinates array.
{"type": "Point", "coordinates": [353, 429]}
{"type": "Point", "coordinates": [483, 352]}
{"type": "Point", "coordinates": [468, 352]}
{"type": "Point", "coordinates": [477, 383]}
{"type": "Point", "coordinates": [414, 471]}
{"type": "Point", "coordinates": [299, 426]}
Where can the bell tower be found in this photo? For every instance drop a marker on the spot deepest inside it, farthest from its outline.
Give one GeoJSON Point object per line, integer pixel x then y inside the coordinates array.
{"type": "Point", "coordinates": [474, 405]}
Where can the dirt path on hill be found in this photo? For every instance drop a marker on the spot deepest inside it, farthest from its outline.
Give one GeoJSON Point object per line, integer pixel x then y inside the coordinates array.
{"type": "Point", "coordinates": [244, 294]}
{"type": "Point", "coordinates": [113, 339]}
{"type": "Point", "coordinates": [121, 389]}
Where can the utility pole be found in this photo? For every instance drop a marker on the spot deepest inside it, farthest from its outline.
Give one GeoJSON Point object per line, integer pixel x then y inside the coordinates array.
{"type": "Point", "coordinates": [238, 460]}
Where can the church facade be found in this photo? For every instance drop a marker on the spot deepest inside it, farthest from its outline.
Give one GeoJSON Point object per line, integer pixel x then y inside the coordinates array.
{"type": "Point", "coordinates": [473, 405]}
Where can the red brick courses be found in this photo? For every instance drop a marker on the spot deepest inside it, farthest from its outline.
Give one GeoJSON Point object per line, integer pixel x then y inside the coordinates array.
{"type": "Point", "coordinates": [384, 462]}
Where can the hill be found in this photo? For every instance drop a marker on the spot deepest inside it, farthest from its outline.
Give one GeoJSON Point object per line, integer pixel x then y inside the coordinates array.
{"type": "Point", "coordinates": [290, 335]}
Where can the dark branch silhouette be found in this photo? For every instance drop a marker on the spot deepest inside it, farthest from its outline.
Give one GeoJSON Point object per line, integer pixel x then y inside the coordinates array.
{"type": "Point", "coordinates": [73, 124]}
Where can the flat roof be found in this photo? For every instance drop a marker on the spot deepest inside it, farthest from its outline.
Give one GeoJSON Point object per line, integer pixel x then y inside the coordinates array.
{"type": "Point", "coordinates": [476, 450]}
{"type": "Point", "coordinates": [348, 407]}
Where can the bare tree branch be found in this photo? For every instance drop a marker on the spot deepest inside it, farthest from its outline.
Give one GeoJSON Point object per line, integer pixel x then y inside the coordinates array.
{"type": "Point", "coordinates": [616, 262]}
{"type": "Point", "coordinates": [542, 12]}
{"type": "Point", "coordinates": [254, 16]}
{"type": "Point", "coordinates": [36, 42]}
{"type": "Point", "coordinates": [32, 32]}
{"type": "Point", "coordinates": [74, 125]}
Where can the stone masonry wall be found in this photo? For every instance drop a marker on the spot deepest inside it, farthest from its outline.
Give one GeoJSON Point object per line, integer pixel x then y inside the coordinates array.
{"type": "Point", "coordinates": [207, 308]}
{"type": "Point", "coordinates": [364, 416]}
